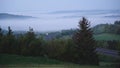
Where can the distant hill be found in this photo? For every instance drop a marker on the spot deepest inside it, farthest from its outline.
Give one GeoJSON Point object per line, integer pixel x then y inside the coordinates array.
{"type": "Point", "coordinates": [113, 16]}
{"type": "Point", "coordinates": [13, 16]}
{"type": "Point", "coordinates": [107, 28]}
{"type": "Point", "coordinates": [91, 12]}
{"type": "Point", "coordinates": [107, 36]}
{"type": "Point", "coordinates": [101, 32]}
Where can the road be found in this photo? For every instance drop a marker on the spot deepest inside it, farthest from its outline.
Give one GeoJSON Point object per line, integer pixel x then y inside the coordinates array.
{"type": "Point", "coordinates": [108, 52]}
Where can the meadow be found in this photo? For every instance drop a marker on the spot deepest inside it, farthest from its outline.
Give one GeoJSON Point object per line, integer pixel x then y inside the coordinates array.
{"type": "Point", "coordinates": [15, 61]}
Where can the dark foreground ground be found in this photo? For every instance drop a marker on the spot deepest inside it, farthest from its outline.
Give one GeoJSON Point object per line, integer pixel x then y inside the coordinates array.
{"type": "Point", "coordinates": [15, 61]}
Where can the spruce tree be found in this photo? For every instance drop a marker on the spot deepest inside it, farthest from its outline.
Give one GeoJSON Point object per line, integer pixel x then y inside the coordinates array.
{"type": "Point", "coordinates": [10, 33]}
{"type": "Point", "coordinates": [85, 44]}
{"type": "Point", "coordinates": [8, 42]}
{"type": "Point", "coordinates": [1, 33]}
{"type": "Point", "coordinates": [1, 38]}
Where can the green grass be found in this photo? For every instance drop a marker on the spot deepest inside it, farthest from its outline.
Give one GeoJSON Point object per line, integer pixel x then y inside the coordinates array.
{"type": "Point", "coordinates": [106, 37]}
{"type": "Point", "coordinates": [15, 61]}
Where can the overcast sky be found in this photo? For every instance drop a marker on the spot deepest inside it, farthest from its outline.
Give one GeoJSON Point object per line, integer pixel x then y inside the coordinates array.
{"type": "Point", "coordinates": [53, 5]}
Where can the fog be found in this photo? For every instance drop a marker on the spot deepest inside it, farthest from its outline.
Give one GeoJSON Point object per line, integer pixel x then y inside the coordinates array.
{"type": "Point", "coordinates": [54, 21]}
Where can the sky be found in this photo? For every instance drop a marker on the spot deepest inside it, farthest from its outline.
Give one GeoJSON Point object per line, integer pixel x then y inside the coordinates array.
{"type": "Point", "coordinates": [53, 5]}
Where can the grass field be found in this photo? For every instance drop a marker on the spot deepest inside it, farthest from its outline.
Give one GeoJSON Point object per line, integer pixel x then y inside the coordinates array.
{"type": "Point", "coordinates": [15, 61]}
{"type": "Point", "coordinates": [107, 37]}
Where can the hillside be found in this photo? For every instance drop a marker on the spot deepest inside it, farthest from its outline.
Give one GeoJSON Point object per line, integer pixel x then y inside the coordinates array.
{"type": "Point", "coordinates": [13, 16]}
{"type": "Point", "coordinates": [107, 28]}
{"type": "Point", "coordinates": [107, 36]}
{"type": "Point", "coordinates": [100, 31]}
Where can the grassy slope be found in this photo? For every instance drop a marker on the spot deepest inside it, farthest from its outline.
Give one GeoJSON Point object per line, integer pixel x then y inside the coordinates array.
{"type": "Point", "coordinates": [15, 61]}
{"type": "Point", "coordinates": [107, 37]}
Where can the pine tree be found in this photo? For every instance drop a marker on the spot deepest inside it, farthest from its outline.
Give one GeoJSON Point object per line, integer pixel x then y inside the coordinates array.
{"type": "Point", "coordinates": [28, 38]}
{"type": "Point", "coordinates": [1, 33]}
{"type": "Point", "coordinates": [9, 31]}
{"type": "Point", "coordinates": [30, 34]}
{"type": "Point", "coordinates": [1, 38]}
{"type": "Point", "coordinates": [8, 42]}
{"type": "Point", "coordinates": [85, 44]}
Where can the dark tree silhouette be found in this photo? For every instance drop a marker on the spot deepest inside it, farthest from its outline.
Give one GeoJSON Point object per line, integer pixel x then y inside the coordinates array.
{"type": "Point", "coordinates": [85, 44]}
{"type": "Point", "coordinates": [9, 31]}
{"type": "Point", "coordinates": [8, 42]}
{"type": "Point", "coordinates": [1, 33]}
{"type": "Point", "coordinates": [117, 22]}
{"type": "Point", "coordinates": [1, 38]}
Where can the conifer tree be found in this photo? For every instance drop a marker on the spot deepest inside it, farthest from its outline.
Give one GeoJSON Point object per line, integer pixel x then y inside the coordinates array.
{"type": "Point", "coordinates": [9, 31]}
{"type": "Point", "coordinates": [8, 42]}
{"type": "Point", "coordinates": [85, 44]}
{"type": "Point", "coordinates": [1, 33]}
{"type": "Point", "coordinates": [1, 37]}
